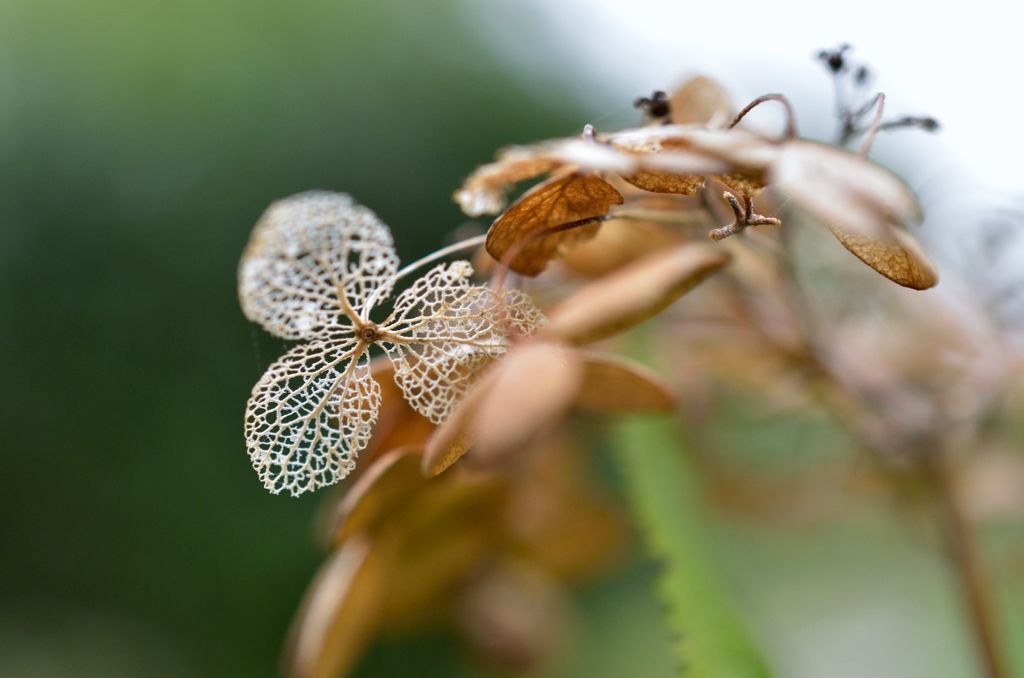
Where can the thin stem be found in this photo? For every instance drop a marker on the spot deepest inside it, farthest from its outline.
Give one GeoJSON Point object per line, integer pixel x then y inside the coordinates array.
{"type": "Point", "coordinates": [873, 131]}
{"type": "Point", "coordinates": [440, 254]}
{"type": "Point", "coordinates": [790, 116]}
{"type": "Point", "coordinates": [430, 258]}
{"type": "Point", "coordinates": [976, 588]}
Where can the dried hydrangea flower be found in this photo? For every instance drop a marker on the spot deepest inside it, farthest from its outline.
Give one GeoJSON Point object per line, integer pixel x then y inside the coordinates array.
{"type": "Point", "coordinates": [315, 267]}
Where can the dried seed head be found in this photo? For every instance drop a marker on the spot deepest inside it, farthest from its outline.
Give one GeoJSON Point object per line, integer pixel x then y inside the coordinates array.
{"type": "Point", "coordinates": [656, 106]}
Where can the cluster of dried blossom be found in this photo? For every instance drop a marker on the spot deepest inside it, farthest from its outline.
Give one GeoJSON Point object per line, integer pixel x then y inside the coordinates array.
{"type": "Point", "coordinates": [470, 485]}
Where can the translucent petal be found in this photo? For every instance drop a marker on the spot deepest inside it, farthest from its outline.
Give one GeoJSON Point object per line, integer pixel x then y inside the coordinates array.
{"type": "Point", "coordinates": [312, 259]}
{"type": "Point", "coordinates": [444, 331]}
{"type": "Point", "coordinates": [310, 414]}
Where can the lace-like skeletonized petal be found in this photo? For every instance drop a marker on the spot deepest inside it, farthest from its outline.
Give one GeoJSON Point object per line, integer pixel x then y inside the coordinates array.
{"type": "Point", "coordinates": [310, 259]}
{"type": "Point", "coordinates": [310, 414]}
{"type": "Point", "coordinates": [447, 331]}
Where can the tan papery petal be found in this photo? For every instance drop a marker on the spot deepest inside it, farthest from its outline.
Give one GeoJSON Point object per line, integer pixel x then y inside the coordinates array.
{"type": "Point", "coordinates": [382, 489]}
{"type": "Point", "coordinates": [621, 241]}
{"type": "Point", "coordinates": [700, 101]}
{"type": "Point", "coordinates": [616, 385]}
{"type": "Point", "coordinates": [340, 613]}
{"type": "Point", "coordinates": [534, 387]}
{"type": "Point", "coordinates": [453, 439]}
{"type": "Point", "coordinates": [561, 200]}
{"type": "Point", "coordinates": [633, 294]}
{"type": "Point", "coordinates": [841, 188]}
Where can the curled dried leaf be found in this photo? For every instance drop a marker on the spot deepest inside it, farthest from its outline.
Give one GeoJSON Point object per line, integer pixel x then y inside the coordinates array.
{"type": "Point", "coordinates": [560, 201]}
{"type": "Point", "coordinates": [898, 257]}
{"type": "Point", "coordinates": [633, 294]}
{"type": "Point", "coordinates": [617, 385]}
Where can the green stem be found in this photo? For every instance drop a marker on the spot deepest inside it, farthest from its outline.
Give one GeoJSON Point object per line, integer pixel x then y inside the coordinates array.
{"type": "Point", "coordinates": [711, 639]}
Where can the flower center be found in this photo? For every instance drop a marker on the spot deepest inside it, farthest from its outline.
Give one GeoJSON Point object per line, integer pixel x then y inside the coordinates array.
{"type": "Point", "coordinates": [369, 333]}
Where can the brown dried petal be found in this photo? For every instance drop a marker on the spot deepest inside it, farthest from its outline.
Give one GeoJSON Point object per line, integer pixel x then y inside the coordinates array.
{"type": "Point", "coordinates": [534, 388]}
{"type": "Point", "coordinates": [663, 182]}
{"type": "Point", "coordinates": [679, 149]}
{"type": "Point", "coordinates": [633, 294]}
{"type": "Point", "coordinates": [563, 199]}
{"type": "Point", "coordinates": [617, 385]}
{"type": "Point", "coordinates": [339, 614]}
{"type": "Point", "coordinates": [621, 241]}
{"type": "Point", "coordinates": [749, 185]}
{"type": "Point", "coordinates": [513, 615]}
{"type": "Point", "coordinates": [843, 189]}
{"type": "Point", "coordinates": [670, 165]}
{"type": "Point", "coordinates": [452, 439]}
{"type": "Point", "coordinates": [484, 191]}
{"type": "Point", "coordinates": [439, 539]}
{"type": "Point", "coordinates": [700, 101]}
{"type": "Point", "coordinates": [381, 490]}
{"type": "Point", "coordinates": [898, 257]}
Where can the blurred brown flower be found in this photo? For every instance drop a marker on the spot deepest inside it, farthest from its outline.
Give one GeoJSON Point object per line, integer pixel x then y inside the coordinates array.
{"type": "Point", "coordinates": [411, 551]}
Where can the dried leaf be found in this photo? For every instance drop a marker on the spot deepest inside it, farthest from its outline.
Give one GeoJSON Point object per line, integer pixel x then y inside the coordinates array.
{"type": "Point", "coordinates": [561, 200]}
{"type": "Point", "coordinates": [898, 257]}
{"type": "Point", "coordinates": [534, 388]}
{"type": "Point", "coordinates": [663, 182]}
{"type": "Point", "coordinates": [700, 101]}
{"type": "Point", "coordinates": [339, 614]}
{"type": "Point", "coordinates": [617, 385]}
{"type": "Point", "coordinates": [633, 294]}
{"type": "Point", "coordinates": [454, 438]}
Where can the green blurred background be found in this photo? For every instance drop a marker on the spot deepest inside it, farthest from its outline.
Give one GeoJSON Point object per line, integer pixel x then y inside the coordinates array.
{"type": "Point", "coordinates": [139, 142]}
